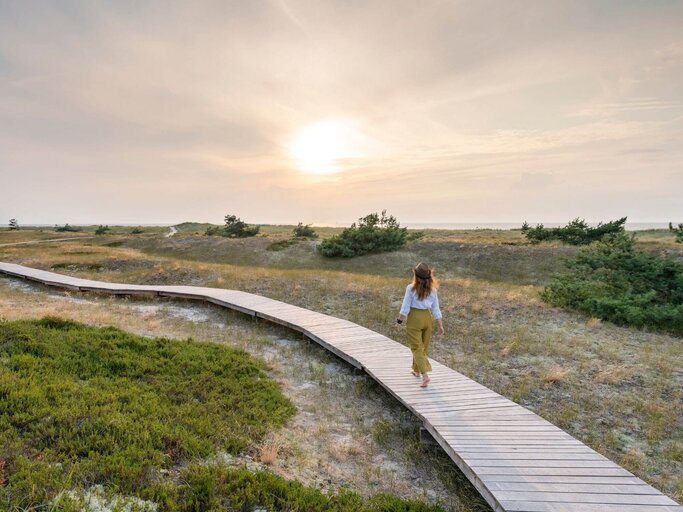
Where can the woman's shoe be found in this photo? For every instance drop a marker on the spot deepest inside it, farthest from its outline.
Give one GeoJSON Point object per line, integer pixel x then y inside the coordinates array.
{"type": "Point", "coordinates": [415, 374]}
{"type": "Point", "coordinates": [425, 382]}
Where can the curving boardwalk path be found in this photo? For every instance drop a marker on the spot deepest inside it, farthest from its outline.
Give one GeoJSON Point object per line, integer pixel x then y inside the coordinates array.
{"type": "Point", "coordinates": [517, 460]}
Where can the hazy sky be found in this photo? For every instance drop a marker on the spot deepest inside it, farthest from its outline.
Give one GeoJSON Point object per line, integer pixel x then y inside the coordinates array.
{"type": "Point", "coordinates": [144, 112]}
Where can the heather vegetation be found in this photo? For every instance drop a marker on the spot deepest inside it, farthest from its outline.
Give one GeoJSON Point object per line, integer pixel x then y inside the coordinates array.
{"type": "Point", "coordinates": [576, 232]}
{"type": "Point", "coordinates": [373, 233]}
{"type": "Point", "coordinates": [83, 405]}
{"type": "Point", "coordinates": [614, 281]}
{"type": "Point", "coordinates": [219, 488]}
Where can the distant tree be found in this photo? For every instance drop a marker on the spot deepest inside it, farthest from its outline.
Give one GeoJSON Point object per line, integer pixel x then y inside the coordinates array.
{"type": "Point", "coordinates": [137, 231]}
{"type": "Point", "coordinates": [13, 224]}
{"type": "Point", "coordinates": [373, 233]}
{"type": "Point", "coordinates": [671, 226]}
{"type": "Point", "coordinates": [234, 228]}
{"type": "Point", "coordinates": [67, 227]}
{"type": "Point", "coordinates": [304, 231]}
{"type": "Point", "coordinates": [102, 230]}
{"type": "Point", "coordinates": [576, 232]}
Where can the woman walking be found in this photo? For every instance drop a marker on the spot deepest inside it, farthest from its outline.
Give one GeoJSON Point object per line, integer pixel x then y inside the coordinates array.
{"type": "Point", "coordinates": [420, 304]}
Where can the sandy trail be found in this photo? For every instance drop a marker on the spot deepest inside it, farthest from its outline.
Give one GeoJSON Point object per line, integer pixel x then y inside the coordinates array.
{"type": "Point", "coordinates": [45, 241]}
{"type": "Point", "coordinates": [172, 230]}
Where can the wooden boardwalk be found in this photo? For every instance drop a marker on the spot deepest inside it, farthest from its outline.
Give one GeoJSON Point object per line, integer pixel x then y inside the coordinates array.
{"type": "Point", "coordinates": [517, 460]}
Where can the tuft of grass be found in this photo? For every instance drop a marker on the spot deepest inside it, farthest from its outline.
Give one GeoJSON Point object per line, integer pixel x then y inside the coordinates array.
{"type": "Point", "coordinates": [268, 452]}
{"type": "Point", "coordinates": [555, 374]}
{"type": "Point", "coordinates": [381, 431]}
{"type": "Point", "coordinates": [593, 322]}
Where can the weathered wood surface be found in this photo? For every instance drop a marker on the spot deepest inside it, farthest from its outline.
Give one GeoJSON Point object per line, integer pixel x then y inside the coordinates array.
{"type": "Point", "coordinates": [518, 461]}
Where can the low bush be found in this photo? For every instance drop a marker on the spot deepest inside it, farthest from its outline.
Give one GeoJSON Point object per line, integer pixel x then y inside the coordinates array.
{"type": "Point", "coordinates": [67, 228]}
{"type": "Point", "coordinates": [234, 228]}
{"type": "Point", "coordinates": [281, 245]}
{"type": "Point", "coordinates": [102, 230]}
{"type": "Point", "coordinates": [137, 231]}
{"type": "Point", "coordinates": [576, 232]}
{"type": "Point", "coordinates": [373, 233]}
{"type": "Point", "coordinates": [304, 231]}
{"type": "Point", "coordinates": [220, 488]}
{"type": "Point", "coordinates": [614, 281]}
{"type": "Point", "coordinates": [82, 405]}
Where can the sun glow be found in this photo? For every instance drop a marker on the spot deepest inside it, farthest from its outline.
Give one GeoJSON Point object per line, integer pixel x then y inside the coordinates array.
{"type": "Point", "coordinates": [320, 146]}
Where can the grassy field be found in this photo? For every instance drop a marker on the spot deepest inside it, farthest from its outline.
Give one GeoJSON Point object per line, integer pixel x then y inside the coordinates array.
{"type": "Point", "coordinates": [615, 388]}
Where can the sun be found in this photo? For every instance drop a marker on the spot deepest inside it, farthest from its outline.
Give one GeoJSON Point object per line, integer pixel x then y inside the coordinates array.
{"type": "Point", "coordinates": [320, 146]}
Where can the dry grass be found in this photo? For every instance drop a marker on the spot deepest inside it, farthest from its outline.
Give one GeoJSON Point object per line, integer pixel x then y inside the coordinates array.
{"type": "Point", "coordinates": [612, 375]}
{"type": "Point", "coordinates": [268, 452]}
{"type": "Point", "coordinates": [593, 322]}
{"type": "Point", "coordinates": [555, 374]}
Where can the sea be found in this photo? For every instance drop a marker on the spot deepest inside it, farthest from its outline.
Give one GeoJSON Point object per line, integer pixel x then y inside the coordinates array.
{"type": "Point", "coordinates": [630, 226]}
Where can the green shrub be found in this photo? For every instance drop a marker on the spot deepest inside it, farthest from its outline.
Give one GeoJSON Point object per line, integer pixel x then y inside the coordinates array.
{"type": "Point", "coordinates": [234, 228]}
{"type": "Point", "coordinates": [576, 232]}
{"type": "Point", "coordinates": [373, 233]}
{"type": "Point", "coordinates": [67, 227]}
{"type": "Point", "coordinates": [102, 230]}
{"type": "Point", "coordinates": [137, 231]}
{"type": "Point", "coordinates": [281, 245]}
{"type": "Point", "coordinates": [614, 281]}
{"type": "Point", "coordinates": [678, 232]}
{"type": "Point", "coordinates": [82, 405]}
{"type": "Point", "coordinates": [219, 488]}
{"type": "Point", "coordinates": [304, 231]}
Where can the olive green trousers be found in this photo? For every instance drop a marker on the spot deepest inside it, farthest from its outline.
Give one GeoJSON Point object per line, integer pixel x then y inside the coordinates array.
{"type": "Point", "coordinates": [419, 331]}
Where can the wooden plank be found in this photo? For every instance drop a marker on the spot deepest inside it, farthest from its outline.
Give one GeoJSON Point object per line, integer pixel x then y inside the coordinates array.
{"type": "Point", "coordinates": [493, 470]}
{"type": "Point", "coordinates": [491, 480]}
{"type": "Point", "coordinates": [532, 506]}
{"type": "Point", "coordinates": [582, 497]}
{"type": "Point", "coordinates": [573, 487]}
{"type": "Point", "coordinates": [539, 455]}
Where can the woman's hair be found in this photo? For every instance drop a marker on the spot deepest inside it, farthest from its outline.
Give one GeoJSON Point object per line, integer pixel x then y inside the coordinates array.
{"type": "Point", "coordinates": [423, 280]}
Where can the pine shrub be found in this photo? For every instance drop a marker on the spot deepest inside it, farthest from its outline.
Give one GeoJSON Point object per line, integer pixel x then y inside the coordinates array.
{"type": "Point", "coordinates": [614, 281]}
{"type": "Point", "coordinates": [373, 233]}
{"type": "Point", "coordinates": [576, 232]}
